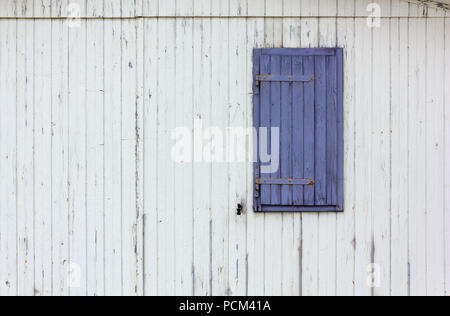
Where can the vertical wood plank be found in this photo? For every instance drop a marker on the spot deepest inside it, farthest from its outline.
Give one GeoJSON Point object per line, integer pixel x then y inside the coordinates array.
{"type": "Point", "coordinates": [77, 157]}
{"type": "Point", "coordinates": [43, 163]}
{"type": "Point", "coordinates": [309, 8]}
{"type": "Point", "coordinates": [166, 192]}
{"type": "Point", "coordinates": [150, 8]}
{"type": "Point", "coordinates": [60, 158]}
{"type": "Point", "coordinates": [256, 8]}
{"type": "Point", "coordinates": [24, 8]}
{"type": "Point", "coordinates": [386, 7]}
{"type": "Point", "coordinates": [332, 122]}
{"type": "Point", "coordinates": [399, 147]}
{"type": "Point", "coordinates": [167, 8]}
{"type": "Point", "coordinates": [291, 233]}
{"type": "Point", "coordinates": [265, 121]}
{"type": "Point", "coordinates": [42, 8]}
{"type": "Point", "coordinates": [274, 8]}
{"type": "Point", "coordinates": [286, 130]}
{"type": "Point", "coordinates": [327, 222]}
{"type": "Point", "coordinates": [141, 63]}
{"type": "Point", "coordinates": [363, 157]}
{"type": "Point", "coordinates": [238, 7]}
{"type": "Point", "coordinates": [255, 222]}
{"type": "Point", "coordinates": [400, 9]}
{"type": "Point", "coordinates": [138, 9]}
{"type": "Point", "coordinates": [447, 155]}
{"type": "Point", "coordinates": [58, 7]}
{"type": "Point", "coordinates": [381, 155]}
{"type": "Point", "coordinates": [94, 155]}
{"type": "Point", "coordinates": [94, 8]}
{"type": "Point", "coordinates": [8, 8]}
{"type": "Point", "coordinates": [128, 8]}
{"type": "Point", "coordinates": [417, 156]}
{"type": "Point", "coordinates": [298, 117]}
{"type": "Point", "coordinates": [184, 221]}
{"type": "Point", "coordinates": [202, 7]}
{"type": "Point", "coordinates": [220, 8]}
{"type": "Point", "coordinates": [151, 163]}
{"type": "Point", "coordinates": [361, 8]}
{"type": "Point", "coordinates": [237, 145]}
{"type": "Point", "coordinates": [275, 120]}
{"type": "Point", "coordinates": [291, 7]}
{"type": "Point", "coordinates": [345, 252]}
{"type": "Point", "coordinates": [435, 193]}
{"type": "Point", "coordinates": [113, 8]}
{"type": "Point", "coordinates": [8, 158]}
{"type": "Point", "coordinates": [128, 148]}
{"type": "Point", "coordinates": [219, 188]}
{"type": "Point", "coordinates": [112, 154]}
{"type": "Point", "coordinates": [274, 222]}
{"type": "Point", "coordinates": [200, 119]}
{"type": "Point", "coordinates": [320, 130]}
{"type": "Point", "coordinates": [184, 7]}
{"type": "Point", "coordinates": [310, 241]}
{"type": "Point", "coordinates": [25, 161]}
{"type": "Point", "coordinates": [327, 8]}
{"type": "Point", "coordinates": [346, 9]}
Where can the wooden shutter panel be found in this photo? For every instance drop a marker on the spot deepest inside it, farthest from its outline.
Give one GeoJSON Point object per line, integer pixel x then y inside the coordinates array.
{"type": "Point", "coordinates": [299, 91]}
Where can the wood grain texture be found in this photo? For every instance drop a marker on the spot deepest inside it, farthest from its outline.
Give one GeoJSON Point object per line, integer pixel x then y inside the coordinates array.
{"type": "Point", "coordinates": [447, 157]}
{"type": "Point", "coordinates": [92, 204]}
{"type": "Point", "coordinates": [25, 161]}
{"type": "Point", "coordinates": [8, 160]}
{"type": "Point", "coordinates": [417, 156]}
{"type": "Point", "coordinates": [212, 8]}
{"type": "Point", "coordinates": [345, 230]}
{"type": "Point", "coordinates": [202, 111]}
{"type": "Point", "coordinates": [399, 152]}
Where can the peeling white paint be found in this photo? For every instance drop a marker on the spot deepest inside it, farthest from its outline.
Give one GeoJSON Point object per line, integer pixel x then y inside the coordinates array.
{"type": "Point", "coordinates": [91, 203]}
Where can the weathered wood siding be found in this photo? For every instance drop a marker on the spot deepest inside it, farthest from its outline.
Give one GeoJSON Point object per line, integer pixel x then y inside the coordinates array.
{"type": "Point", "coordinates": [91, 202]}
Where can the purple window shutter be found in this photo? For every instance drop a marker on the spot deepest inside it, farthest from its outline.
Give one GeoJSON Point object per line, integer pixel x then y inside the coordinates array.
{"type": "Point", "coordinates": [300, 92]}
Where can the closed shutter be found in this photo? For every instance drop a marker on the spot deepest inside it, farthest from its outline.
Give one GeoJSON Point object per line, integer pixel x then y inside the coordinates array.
{"type": "Point", "coordinates": [298, 96]}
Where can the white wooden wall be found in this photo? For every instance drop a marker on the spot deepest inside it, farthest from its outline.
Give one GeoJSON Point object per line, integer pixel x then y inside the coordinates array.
{"type": "Point", "coordinates": [91, 202]}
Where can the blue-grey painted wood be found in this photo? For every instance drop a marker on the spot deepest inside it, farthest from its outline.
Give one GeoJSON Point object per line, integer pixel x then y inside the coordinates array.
{"type": "Point", "coordinates": [309, 141]}
{"type": "Point", "coordinates": [340, 130]}
{"type": "Point", "coordinates": [297, 130]}
{"type": "Point", "coordinates": [256, 122]}
{"type": "Point", "coordinates": [299, 51]}
{"type": "Point", "coordinates": [286, 78]}
{"type": "Point", "coordinates": [265, 121]}
{"type": "Point", "coordinates": [309, 115]}
{"type": "Point", "coordinates": [286, 182]}
{"type": "Point", "coordinates": [286, 130]}
{"type": "Point", "coordinates": [295, 208]}
{"type": "Point", "coordinates": [320, 130]}
{"type": "Point", "coordinates": [332, 135]}
{"type": "Point", "coordinates": [275, 120]}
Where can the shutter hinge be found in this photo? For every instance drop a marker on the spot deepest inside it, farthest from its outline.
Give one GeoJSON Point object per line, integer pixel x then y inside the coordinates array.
{"type": "Point", "coordinates": [285, 181]}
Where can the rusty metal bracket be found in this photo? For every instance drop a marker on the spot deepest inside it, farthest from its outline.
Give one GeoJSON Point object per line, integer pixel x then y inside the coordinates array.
{"type": "Point", "coordinates": [284, 78]}
{"type": "Point", "coordinates": [285, 181]}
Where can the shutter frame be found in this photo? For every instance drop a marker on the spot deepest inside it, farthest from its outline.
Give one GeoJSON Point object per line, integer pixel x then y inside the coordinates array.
{"type": "Point", "coordinates": [285, 191]}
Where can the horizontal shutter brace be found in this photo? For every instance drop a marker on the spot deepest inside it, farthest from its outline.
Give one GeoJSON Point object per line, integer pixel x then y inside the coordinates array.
{"type": "Point", "coordinates": [285, 78]}
{"type": "Point", "coordinates": [285, 181]}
